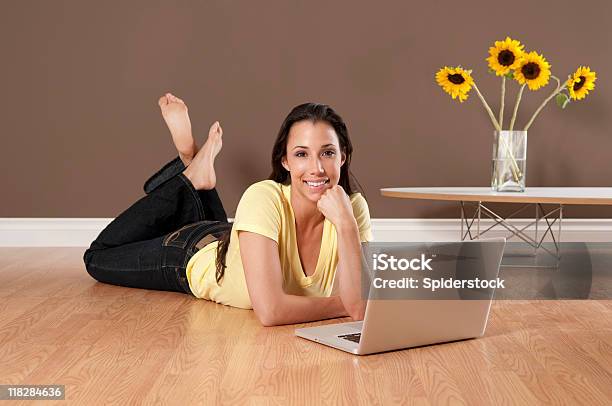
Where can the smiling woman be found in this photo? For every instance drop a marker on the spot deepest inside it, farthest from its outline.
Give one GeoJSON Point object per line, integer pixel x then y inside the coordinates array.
{"type": "Point", "coordinates": [303, 216]}
{"type": "Point", "coordinates": [293, 253]}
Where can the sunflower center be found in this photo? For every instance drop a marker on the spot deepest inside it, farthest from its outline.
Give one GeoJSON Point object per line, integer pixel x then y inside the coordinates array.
{"type": "Point", "coordinates": [530, 70]}
{"type": "Point", "coordinates": [456, 78]}
{"type": "Point", "coordinates": [578, 85]}
{"type": "Point", "coordinates": [505, 58]}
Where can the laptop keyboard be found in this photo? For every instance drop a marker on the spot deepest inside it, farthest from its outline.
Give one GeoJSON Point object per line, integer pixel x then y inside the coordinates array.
{"type": "Point", "coordinates": [351, 337]}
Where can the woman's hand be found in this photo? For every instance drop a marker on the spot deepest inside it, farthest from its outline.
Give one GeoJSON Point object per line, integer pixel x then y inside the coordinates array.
{"type": "Point", "coordinates": [336, 206]}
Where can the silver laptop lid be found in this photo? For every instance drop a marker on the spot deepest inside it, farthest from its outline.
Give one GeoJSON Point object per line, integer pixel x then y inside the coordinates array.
{"type": "Point", "coordinates": [421, 312]}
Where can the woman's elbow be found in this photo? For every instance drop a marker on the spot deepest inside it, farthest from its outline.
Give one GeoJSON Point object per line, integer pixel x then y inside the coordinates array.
{"type": "Point", "coordinates": [267, 321]}
{"type": "Point", "coordinates": [268, 315]}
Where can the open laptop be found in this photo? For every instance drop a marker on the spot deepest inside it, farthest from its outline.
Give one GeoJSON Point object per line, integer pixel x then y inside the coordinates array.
{"type": "Point", "coordinates": [422, 317]}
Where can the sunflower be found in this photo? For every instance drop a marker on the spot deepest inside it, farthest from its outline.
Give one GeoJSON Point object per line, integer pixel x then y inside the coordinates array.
{"type": "Point", "coordinates": [533, 70]}
{"type": "Point", "coordinates": [455, 81]}
{"type": "Point", "coordinates": [505, 56]}
{"type": "Point", "coordinates": [580, 82]}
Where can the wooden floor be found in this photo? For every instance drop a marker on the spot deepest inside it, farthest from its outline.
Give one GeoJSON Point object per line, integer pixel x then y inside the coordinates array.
{"type": "Point", "coordinates": [114, 345]}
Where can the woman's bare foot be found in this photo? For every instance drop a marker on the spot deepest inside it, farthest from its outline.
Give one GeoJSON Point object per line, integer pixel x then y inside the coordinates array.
{"type": "Point", "coordinates": [201, 172]}
{"type": "Point", "coordinates": [174, 111]}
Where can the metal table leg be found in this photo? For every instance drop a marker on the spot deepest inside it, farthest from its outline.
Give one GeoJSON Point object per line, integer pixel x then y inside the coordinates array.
{"type": "Point", "coordinates": [535, 241]}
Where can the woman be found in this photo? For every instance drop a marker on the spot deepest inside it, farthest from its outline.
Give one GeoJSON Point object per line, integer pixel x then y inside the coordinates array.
{"type": "Point", "coordinates": [292, 253]}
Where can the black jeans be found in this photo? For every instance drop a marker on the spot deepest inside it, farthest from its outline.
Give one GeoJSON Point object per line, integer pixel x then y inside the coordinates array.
{"type": "Point", "coordinates": [149, 244]}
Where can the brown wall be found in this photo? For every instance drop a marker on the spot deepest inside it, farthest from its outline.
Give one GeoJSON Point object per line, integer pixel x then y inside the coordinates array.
{"type": "Point", "coordinates": [81, 130]}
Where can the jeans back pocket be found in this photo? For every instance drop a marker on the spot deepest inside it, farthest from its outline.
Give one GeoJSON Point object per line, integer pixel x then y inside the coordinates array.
{"type": "Point", "coordinates": [190, 234]}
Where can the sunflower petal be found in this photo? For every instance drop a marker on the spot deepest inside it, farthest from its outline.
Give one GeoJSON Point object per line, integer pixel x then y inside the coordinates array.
{"type": "Point", "coordinates": [532, 70]}
{"type": "Point", "coordinates": [504, 56]}
{"type": "Point", "coordinates": [581, 82]}
{"type": "Point", "coordinates": [455, 81]}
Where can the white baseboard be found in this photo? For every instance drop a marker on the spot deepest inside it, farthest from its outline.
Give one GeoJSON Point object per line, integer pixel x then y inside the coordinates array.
{"type": "Point", "coordinates": [80, 232]}
{"type": "Point", "coordinates": [50, 232]}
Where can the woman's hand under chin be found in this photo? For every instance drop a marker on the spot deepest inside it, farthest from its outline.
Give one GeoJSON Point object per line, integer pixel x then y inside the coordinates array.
{"type": "Point", "coordinates": [336, 207]}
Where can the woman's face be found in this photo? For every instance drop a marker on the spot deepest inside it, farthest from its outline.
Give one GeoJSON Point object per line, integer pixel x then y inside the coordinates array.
{"type": "Point", "coordinates": [313, 158]}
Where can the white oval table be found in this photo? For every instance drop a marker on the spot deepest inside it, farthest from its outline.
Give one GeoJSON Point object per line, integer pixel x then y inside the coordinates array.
{"type": "Point", "coordinates": [536, 196]}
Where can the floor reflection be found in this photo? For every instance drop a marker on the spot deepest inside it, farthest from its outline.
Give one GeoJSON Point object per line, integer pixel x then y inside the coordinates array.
{"type": "Point", "coordinates": [583, 272]}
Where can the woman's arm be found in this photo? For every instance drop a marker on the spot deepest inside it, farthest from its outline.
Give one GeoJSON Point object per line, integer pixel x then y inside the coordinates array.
{"type": "Point", "coordinates": [336, 207]}
{"type": "Point", "coordinates": [349, 268]}
{"type": "Point", "coordinates": [262, 270]}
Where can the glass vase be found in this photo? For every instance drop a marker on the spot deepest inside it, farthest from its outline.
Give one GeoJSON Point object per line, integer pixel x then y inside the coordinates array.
{"type": "Point", "coordinates": [509, 161]}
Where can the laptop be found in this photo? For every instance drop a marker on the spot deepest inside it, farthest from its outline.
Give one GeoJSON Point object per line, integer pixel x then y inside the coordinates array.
{"type": "Point", "coordinates": [417, 317]}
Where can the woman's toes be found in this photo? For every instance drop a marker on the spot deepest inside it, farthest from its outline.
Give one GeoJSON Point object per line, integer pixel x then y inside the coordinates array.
{"type": "Point", "coordinates": [162, 101]}
{"type": "Point", "coordinates": [214, 128]}
{"type": "Point", "coordinates": [173, 99]}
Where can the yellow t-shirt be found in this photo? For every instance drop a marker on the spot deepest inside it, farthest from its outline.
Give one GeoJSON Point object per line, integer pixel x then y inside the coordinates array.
{"type": "Point", "coordinates": [265, 209]}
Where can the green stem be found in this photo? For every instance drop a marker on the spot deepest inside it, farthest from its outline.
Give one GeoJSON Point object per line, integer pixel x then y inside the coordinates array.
{"type": "Point", "coordinates": [501, 109]}
{"type": "Point", "coordinates": [498, 128]}
{"type": "Point", "coordinates": [487, 108]}
{"type": "Point", "coordinates": [515, 169]}
{"type": "Point", "coordinates": [553, 94]}
{"type": "Point", "coordinates": [518, 101]}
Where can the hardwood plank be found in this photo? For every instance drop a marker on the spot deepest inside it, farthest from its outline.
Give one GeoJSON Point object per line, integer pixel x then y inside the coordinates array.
{"type": "Point", "coordinates": [116, 345]}
{"type": "Point", "coordinates": [436, 375]}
